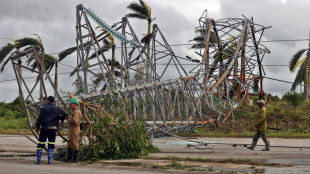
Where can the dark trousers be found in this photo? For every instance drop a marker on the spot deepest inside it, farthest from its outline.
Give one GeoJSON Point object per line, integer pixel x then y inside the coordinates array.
{"type": "Point", "coordinates": [49, 134]}
{"type": "Point", "coordinates": [260, 133]}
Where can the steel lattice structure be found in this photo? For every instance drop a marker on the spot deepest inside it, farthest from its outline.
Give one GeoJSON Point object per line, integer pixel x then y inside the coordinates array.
{"type": "Point", "coordinates": [172, 96]}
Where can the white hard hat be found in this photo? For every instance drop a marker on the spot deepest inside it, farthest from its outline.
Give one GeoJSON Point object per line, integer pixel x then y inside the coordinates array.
{"type": "Point", "coordinates": [261, 101]}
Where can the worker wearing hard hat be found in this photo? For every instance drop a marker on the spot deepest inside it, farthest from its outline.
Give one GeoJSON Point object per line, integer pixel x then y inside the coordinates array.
{"type": "Point", "coordinates": [261, 126]}
{"type": "Point", "coordinates": [74, 131]}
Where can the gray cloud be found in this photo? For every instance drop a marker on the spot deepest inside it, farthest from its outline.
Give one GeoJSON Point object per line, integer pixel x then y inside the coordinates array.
{"type": "Point", "coordinates": [55, 21]}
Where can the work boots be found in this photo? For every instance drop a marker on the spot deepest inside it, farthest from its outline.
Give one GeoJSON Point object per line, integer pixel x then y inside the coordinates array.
{"type": "Point", "coordinates": [50, 155]}
{"type": "Point", "coordinates": [252, 145]}
{"type": "Point", "coordinates": [70, 152]}
{"type": "Point", "coordinates": [267, 146]}
{"type": "Point", "coordinates": [75, 156]}
{"type": "Point", "coordinates": [39, 154]}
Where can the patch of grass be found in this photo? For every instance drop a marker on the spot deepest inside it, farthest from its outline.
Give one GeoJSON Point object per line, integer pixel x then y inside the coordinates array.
{"type": "Point", "coordinates": [237, 161]}
{"type": "Point", "coordinates": [246, 134]}
{"type": "Point", "coordinates": [15, 131]}
{"type": "Point", "coordinates": [1, 150]}
{"type": "Point", "coordinates": [7, 123]}
{"type": "Point", "coordinates": [230, 171]}
{"type": "Point", "coordinates": [210, 169]}
{"type": "Point", "coordinates": [258, 171]}
{"type": "Point", "coordinates": [156, 166]}
{"type": "Point", "coordinates": [128, 164]}
{"type": "Point", "coordinates": [228, 160]}
{"type": "Point", "coordinates": [176, 165]}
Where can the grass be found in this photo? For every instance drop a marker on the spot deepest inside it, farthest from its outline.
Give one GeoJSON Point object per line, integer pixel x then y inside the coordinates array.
{"type": "Point", "coordinates": [129, 164]}
{"type": "Point", "coordinates": [8, 123]}
{"type": "Point", "coordinates": [207, 160]}
{"type": "Point", "coordinates": [178, 166]}
{"type": "Point", "coordinates": [202, 132]}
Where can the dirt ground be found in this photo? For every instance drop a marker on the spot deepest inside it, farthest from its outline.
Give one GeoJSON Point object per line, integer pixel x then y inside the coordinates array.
{"type": "Point", "coordinates": [225, 156]}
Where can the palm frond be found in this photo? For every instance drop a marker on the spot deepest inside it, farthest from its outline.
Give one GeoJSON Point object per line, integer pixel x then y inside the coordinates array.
{"type": "Point", "coordinates": [197, 46]}
{"type": "Point", "coordinates": [111, 39]}
{"type": "Point", "coordinates": [5, 51]}
{"type": "Point", "coordinates": [299, 63]}
{"type": "Point", "coordinates": [295, 58]}
{"type": "Point", "coordinates": [300, 76]}
{"type": "Point", "coordinates": [199, 39]}
{"type": "Point", "coordinates": [27, 41]}
{"type": "Point", "coordinates": [117, 73]}
{"type": "Point", "coordinates": [39, 40]}
{"type": "Point", "coordinates": [148, 8]}
{"type": "Point", "coordinates": [75, 70]}
{"type": "Point", "coordinates": [30, 59]}
{"type": "Point", "coordinates": [30, 47]}
{"type": "Point", "coordinates": [102, 50]}
{"type": "Point", "coordinates": [4, 64]}
{"type": "Point", "coordinates": [66, 53]}
{"type": "Point", "coordinates": [136, 15]}
{"type": "Point", "coordinates": [138, 8]}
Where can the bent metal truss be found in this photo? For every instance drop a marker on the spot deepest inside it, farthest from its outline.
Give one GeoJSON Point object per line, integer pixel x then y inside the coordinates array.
{"type": "Point", "coordinates": [153, 82]}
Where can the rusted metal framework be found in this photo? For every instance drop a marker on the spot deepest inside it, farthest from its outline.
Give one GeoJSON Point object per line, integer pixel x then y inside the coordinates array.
{"type": "Point", "coordinates": [175, 97]}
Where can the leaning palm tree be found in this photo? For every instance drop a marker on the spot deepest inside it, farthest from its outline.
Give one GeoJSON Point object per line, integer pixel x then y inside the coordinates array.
{"type": "Point", "coordinates": [142, 11]}
{"type": "Point", "coordinates": [113, 63]}
{"type": "Point", "coordinates": [199, 39]}
{"type": "Point", "coordinates": [24, 44]}
{"type": "Point", "coordinates": [302, 73]}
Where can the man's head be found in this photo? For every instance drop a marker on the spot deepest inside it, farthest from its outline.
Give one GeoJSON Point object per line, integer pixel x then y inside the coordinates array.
{"type": "Point", "coordinates": [50, 100]}
{"type": "Point", "coordinates": [261, 103]}
{"type": "Point", "coordinates": [74, 103]}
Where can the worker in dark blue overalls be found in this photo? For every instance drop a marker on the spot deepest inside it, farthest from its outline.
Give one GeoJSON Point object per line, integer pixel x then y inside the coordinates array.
{"type": "Point", "coordinates": [47, 123]}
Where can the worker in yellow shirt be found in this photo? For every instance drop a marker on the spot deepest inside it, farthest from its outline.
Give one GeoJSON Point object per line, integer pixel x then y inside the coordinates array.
{"type": "Point", "coordinates": [261, 126]}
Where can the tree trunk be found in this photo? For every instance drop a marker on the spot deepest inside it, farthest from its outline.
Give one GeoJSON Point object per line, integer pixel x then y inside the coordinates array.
{"type": "Point", "coordinates": [306, 80]}
{"type": "Point", "coordinates": [148, 66]}
{"type": "Point", "coordinates": [20, 80]}
{"type": "Point", "coordinates": [56, 78]}
{"type": "Point", "coordinates": [113, 61]}
{"type": "Point", "coordinates": [41, 82]}
{"type": "Point", "coordinates": [307, 74]}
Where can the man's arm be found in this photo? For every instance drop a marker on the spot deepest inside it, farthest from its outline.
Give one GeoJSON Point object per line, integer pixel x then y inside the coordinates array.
{"type": "Point", "coordinates": [63, 114]}
{"type": "Point", "coordinates": [76, 119]}
{"type": "Point", "coordinates": [41, 114]}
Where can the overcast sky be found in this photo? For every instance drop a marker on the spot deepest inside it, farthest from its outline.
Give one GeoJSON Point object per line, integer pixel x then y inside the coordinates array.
{"type": "Point", "coordinates": [54, 21]}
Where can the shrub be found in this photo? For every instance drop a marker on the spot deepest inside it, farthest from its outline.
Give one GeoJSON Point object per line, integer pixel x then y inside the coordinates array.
{"type": "Point", "coordinates": [294, 98]}
{"type": "Point", "coordinates": [126, 139]}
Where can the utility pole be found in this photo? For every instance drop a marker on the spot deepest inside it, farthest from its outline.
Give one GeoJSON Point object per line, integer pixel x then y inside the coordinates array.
{"type": "Point", "coordinates": [307, 73]}
{"type": "Point", "coordinates": [307, 68]}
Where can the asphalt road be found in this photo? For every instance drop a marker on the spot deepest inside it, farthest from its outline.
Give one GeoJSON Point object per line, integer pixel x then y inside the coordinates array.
{"type": "Point", "coordinates": [20, 148]}
{"type": "Point", "coordinates": [27, 167]}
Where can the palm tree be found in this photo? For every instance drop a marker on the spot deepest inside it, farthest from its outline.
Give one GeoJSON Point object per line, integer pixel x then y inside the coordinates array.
{"type": "Point", "coordinates": [142, 11]}
{"type": "Point", "coordinates": [200, 37]}
{"type": "Point", "coordinates": [227, 52]}
{"type": "Point", "coordinates": [107, 44]}
{"type": "Point", "coordinates": [24, 44]}
{"type": "Point", "coordinates": [303, 72]}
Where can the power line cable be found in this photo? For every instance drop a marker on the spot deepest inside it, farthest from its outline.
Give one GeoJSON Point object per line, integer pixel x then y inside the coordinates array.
{"type": "Point", "coordinates": [188, 44]}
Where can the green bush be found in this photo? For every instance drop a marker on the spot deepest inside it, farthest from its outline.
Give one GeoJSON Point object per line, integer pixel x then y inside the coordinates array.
{"type": "Point", "coordinates": [127, 139]}
{"type": "Point", "coordinates": [271, 98]}
{"type": "Point", "coordinates": [294, 98]}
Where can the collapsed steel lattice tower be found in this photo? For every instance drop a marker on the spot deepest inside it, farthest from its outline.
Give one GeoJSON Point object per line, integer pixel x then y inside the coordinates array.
{"type": "Point", "coordinates": [230, 55]}
{"type": "Point", "coordinates": [176, 97]}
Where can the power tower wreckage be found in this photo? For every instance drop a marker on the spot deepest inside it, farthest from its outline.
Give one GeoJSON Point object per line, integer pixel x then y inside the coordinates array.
{"type": "Point", "coordinates": [172, 98]}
